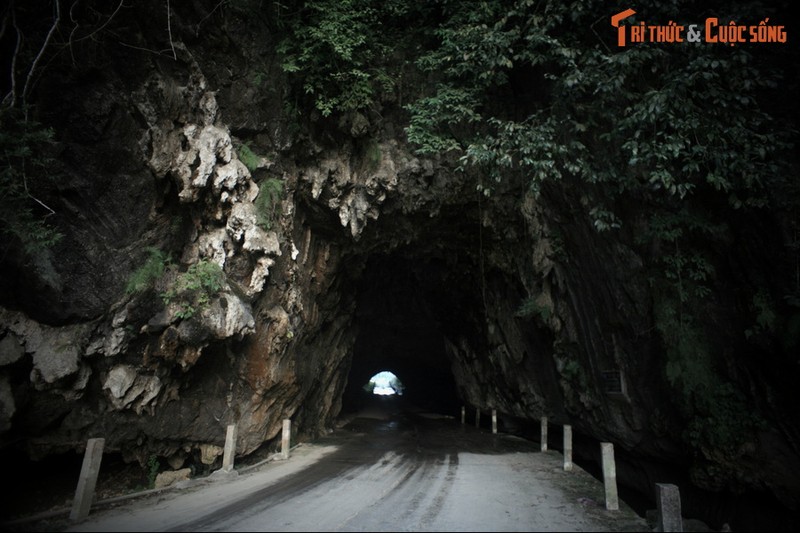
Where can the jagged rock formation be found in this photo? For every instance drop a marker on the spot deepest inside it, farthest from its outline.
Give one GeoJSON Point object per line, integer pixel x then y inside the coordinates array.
{"type": "Point", "coordinates": [374, 258]}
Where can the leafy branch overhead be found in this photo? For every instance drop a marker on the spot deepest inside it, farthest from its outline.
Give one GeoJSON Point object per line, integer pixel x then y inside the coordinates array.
{"type": "Point", "coordinates": [638, 121]}
{"type": "Point", "coordinates": [32, 35]}
{"type": "Point", "coordinates": [340, 50]}
{"type": "Point", "coordinates": [24, 168]}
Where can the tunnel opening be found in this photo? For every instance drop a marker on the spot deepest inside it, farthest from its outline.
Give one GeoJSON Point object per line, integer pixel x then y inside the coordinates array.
{"type": "Point", "coordinates": [407, 307]}
{"type": "Point", "coordinates": [384, 383]}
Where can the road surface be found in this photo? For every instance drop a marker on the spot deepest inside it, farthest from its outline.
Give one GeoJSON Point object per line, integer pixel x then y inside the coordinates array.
{"type": "Point", "coordinates": [387, 470]}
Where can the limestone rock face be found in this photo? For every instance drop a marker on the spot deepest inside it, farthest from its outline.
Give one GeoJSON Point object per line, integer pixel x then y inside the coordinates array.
{"type": "Point", "coordinates": [55, 352]}
{"type": "Point", "coordinates": [124, 386]}
{"type": "Point", "coordinates": [227, 317]}
{"type": "Point", "coordinates": [11, 350]}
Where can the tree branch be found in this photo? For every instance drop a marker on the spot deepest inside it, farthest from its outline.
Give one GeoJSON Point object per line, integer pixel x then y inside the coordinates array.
{"type": "Point", "coordinates": [169, 31]}
{"type": "Point", "coordinates": [5, 24]}
{"type": "Point", "coordinates": [106, 23]}
{"type": "Point", "coordinates": [11, 97]}
{"type": "Point", "coordinates": [32, 197]}
{"type": "Point", "coordinates": [157, 52]}
{"type": "Point", "coordinates": [26, 88]}
{"type": "Point", "coordinates": [197, 28]}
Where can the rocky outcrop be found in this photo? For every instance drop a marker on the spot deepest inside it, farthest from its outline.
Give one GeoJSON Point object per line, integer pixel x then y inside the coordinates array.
{"type": "Point", "coordinates": [170, 477]}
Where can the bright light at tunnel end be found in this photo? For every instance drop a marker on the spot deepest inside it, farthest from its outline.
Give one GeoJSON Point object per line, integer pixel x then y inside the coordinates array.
{"type": "Point", "coordinates": [384, 383]}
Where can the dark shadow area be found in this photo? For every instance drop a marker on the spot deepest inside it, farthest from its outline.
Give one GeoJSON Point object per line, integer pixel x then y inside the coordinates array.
{"type": "Point", "coordinates": [747, 511]}
{"type": "Point", "coordinates": [34, 487]}
{"type": "Point", "coordinates": [400, 329]}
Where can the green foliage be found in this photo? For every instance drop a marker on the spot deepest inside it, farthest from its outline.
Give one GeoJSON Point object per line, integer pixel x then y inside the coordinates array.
{"type": "Point", "coordinates": [604, 220]}
{"type": "Point", "coordinates": [338, 50]}
{"type": "Point", "coordinates": [258, 77]}
{"type": "Point", "coordinates": [24, 165]}
{"type": "Point", "coordinates": [151, 271]}
{"type": "Point", "coordinates": [573, 372]}
{"type": "Point", "coordinates": [722, 422]}
{"type": "Point", "coordinates": [152, 471]}
{"type": "Point", "coordinates": [635, 121]}
{"type": "Point", "coordinates": [248, 157]}
{"type": "Point", "coordinates": [269, 196]}
{"type": "Point", "coordinates": [373, 156]}
{"type": "Point", "coordinates": [186, 311]}
{"type": "Point", "coordinates": [437, 122]}
{"type": "Point", "coordinates": [557, 246]}
{"type": "Point", "coordinates": [689, 367]}
{"type": "Point", "coordinates": [194, 288]}
{"type": "Point", "coordinates": [719, 418]}
{"type": "Point", "coordinates": [681, 264]}
{"type": "Point", "coordinates": [530, 307]}
{"type": "Point", "coordinates": [765, 312]}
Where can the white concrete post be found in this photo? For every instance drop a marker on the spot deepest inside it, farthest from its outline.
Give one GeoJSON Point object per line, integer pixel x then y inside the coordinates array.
{"type": "Point", "coordinates": [463, 415]}
{"type": "Point", "coordinates": [230, 448]}
{"type": "Point", "coordinates": [477, 417]}
{"type": "Point", "coordinates": [668, 501]}
{"type": "Point", "coordinates": [568, 448]}
{"type": "Point", "coordinates": [286, 438]}
{"type": "Point", "coordinates": [544, 433]}
{"type": "Point", "coordinates": [610, 476]}
{"type": "Point", "coordinates": [494, 420]}
{"type": "Point", "coordinates": [84, 493]}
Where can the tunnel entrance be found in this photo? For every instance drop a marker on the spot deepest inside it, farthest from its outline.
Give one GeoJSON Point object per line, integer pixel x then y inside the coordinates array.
{"type": "Point", "coordinates": [406, 310]}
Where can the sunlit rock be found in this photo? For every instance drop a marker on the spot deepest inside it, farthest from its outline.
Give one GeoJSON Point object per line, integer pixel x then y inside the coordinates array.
{"type": "Point", "coordinates": [228, 316]}
{"type": "Point", "coordinates": [209, 453]}
{"type": "Point", "coordinates": [119, 381]}
{"type": "Point", "coordinates": [170, 477]}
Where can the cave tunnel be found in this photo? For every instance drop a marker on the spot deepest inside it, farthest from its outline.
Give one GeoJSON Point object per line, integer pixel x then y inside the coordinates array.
{"type": "Point", "coordinates": [406, 306]}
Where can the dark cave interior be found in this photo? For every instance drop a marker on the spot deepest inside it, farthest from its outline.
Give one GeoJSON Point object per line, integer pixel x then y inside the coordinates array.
{"type": "Point", "coordinates": [400, 321]}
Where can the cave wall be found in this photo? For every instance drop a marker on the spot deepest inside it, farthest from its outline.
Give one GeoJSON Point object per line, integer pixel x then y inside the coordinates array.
{"type": "Point", "coordinates": [149, 154]}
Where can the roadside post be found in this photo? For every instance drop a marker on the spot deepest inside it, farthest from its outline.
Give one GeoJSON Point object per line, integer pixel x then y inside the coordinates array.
{"type": "Point", "coordinates": [668, 501]}
{"type": "Point", "coordinates": [544, 433]}
{"type": "Point", "coordinates": [609, 476]}
{"type": "Point", "coordinates": [230, 448]}
{"type": "Point", "coordinates": [84, 493]}
{"type": "Point", "coordinates": [286, 438]}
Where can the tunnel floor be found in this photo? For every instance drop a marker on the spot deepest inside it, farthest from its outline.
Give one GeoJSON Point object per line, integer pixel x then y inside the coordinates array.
{"type": "Point", "coordinates": [393, 468]}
